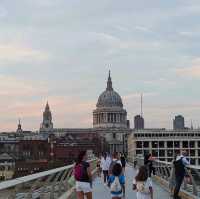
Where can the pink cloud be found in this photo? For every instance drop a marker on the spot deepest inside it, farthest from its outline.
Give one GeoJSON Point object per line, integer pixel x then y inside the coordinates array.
{"type": "Point", "coordinates": [67, 112]}
{"type": "Point", "coordinates": [12, 52]}
{"type": "Point", "coordinates": [192, 71]}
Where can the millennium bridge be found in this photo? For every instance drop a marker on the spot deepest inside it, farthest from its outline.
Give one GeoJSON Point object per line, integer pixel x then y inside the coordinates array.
{"type": "Point", "coordinates": [57, 184]}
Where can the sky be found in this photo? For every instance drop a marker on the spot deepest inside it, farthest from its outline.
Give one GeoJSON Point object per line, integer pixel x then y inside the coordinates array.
{"type": "Point", "coordinates": [60, 51]}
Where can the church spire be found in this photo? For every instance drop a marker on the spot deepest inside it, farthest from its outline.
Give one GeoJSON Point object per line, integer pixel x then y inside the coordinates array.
{"type": "Point", "coordinates": [109, 83]}
{"type": "Point", "coordinates": [47, 124]}
{"type": "Point", "coordinates": [19, 127]}
{"type": "Point", "coordinates": [47, 106]}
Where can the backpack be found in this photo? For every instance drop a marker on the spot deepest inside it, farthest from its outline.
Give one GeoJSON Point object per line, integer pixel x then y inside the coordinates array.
{"type": "Point", "coordinates": [179, 167]}
{"type": "Point", "coordinates": [111, 166]}
{"type": "Point", "coordinates": [78, 172]}
{"type": "Point", "coordinates": [140, 186]}
{"type": "Point", "coordinates": [116, 185]}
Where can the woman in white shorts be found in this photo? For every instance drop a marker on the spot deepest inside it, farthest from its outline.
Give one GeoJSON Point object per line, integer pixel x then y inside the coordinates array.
{"type": "Point", "coordinates": [82, 174]}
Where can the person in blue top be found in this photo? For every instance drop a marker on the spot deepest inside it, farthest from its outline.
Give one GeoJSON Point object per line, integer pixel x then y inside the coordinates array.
{"type": "Point", "coordinates": [116, 182]}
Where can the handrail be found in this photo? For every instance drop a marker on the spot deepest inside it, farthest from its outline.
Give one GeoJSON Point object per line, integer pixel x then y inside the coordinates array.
{"type": "Point", "coordinates": [164, 172]}
{"type": "Point", "coordinates": [54, 182]}
{"type": "Point", "coordinates": [14, 182]}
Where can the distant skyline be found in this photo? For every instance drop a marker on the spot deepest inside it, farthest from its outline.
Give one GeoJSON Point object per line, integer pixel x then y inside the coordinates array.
{"type": "Point", "coordinates": [60, 51]}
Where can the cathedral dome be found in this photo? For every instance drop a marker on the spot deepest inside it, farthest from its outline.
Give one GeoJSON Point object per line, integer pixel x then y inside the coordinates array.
{"type": "Point", "coordinates": [109, 98]}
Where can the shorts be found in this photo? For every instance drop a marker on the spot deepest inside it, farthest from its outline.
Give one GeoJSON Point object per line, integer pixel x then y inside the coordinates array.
{"type": "Point", "coordinates": [117, 195]}
{"type": "Point", "coordinates": [84, 187]}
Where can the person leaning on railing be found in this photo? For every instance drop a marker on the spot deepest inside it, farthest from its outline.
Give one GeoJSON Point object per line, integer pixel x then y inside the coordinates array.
{"type": "Point", "coordinates": [180, 172]}
{"type": "Point", "coordinates": [83, 176]}
{"type": "Point", "coordinates": [172, 178]}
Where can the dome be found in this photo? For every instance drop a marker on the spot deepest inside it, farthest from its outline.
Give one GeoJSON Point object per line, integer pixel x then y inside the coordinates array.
{"type": "Point", "coordinates": [109, 97]}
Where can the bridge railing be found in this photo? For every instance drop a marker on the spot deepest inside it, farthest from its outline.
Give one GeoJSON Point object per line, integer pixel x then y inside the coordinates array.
{"type": "Point", "coordinates": [51, 184]}
{"type": "Point", "coordinates": [163, 172]}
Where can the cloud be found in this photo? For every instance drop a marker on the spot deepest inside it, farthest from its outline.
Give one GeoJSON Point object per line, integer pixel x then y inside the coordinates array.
{"type": "Point", "coordinates": [20, 98]}
{"type": "Point", "coordinates": [115, 45]}
{"type": "Point", "coordinates": [188, 33]}
{"type": "Point", "coordinates": [191, 71]}
{"type": "Point", "coordinates": [3, 12]}
{"type": "Point", "coordinates": [160, 81]}
{"type": "Point", "coordinates": [143, 29]}
{"type": "Point", "coordinates": [18, 52]}
{"type": "Point", "coordinates": [137, 95]}
{"type": "Point", "coordinates": [67, 112]}
{"type": "Point", "coordinates": [16, 87]}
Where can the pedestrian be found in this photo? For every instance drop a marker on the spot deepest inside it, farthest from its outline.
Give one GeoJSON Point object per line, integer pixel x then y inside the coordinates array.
{"type": "Point", "coordinates": [116, 182]}
{"type": "Point", "coordinates": [123, 162]}
{"type": "Point", "coordinates": [148, 162]}
{"type": "Point", "coordinates": [115, 159]}
{"type": "Point", "coordinates": [105, 167]}
{"type": "Point", "coordinates": [172, 179]}
{"type": "Point", "coordinates": [134, 164]}
{"type": "Point", "coordinates": [98, 167]}
{"type": "Point", "coordinates": [142, 184]}
{"type": "Point", "coordinates": [180, 172]}
{"type": "Point", "coordinates": [83, 177]}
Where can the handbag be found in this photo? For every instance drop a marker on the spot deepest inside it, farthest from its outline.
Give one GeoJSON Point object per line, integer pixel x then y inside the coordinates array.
{"type": "Point", "coordinates": [71, 181]}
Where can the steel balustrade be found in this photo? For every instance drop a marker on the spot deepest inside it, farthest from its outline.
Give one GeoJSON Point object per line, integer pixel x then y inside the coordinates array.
{"type": "Point", "coordinates": [163, 170]}
{"type": "Point", "coordinates": [51, 184]}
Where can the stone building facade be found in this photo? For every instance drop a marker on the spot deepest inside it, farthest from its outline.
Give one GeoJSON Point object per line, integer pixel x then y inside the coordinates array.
{"type": "Point", "coordinates": [109, 121]}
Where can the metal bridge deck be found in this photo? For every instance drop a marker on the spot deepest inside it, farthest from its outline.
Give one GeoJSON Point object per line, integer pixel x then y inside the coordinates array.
{"type": "Point", "coordinates": [100, 191]}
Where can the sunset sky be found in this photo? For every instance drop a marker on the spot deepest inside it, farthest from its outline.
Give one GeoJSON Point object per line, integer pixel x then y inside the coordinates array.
{"type": "Point", "coordinates": [61, 51]}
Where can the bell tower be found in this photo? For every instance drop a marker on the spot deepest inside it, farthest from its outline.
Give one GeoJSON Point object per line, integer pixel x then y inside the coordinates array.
{"type": "Point", "coordinates": [47, 124]}
{"type": "Point", "coordinates": [19, 127]}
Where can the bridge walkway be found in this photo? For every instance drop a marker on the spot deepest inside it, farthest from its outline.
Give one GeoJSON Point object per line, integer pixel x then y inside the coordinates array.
{"type": "Point", "coordinates": [100, 191]}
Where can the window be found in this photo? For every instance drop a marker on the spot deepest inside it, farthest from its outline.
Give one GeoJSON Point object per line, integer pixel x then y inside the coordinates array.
{"type": "Point", "coordinates": [155, 144]}
{"type": "Point", "coordinates": [192, 152]}
{"type": "Point", "coordinates": [185, 144]}
{"type": "Point", "coordinates": [177, 151]}
{"type": "Point", "coordinates": [161, 144]}
{"type": "Point", "coordinates": [138, 152]}
{"type": "Point", "coordinates": [192, 161]}
{"type": "Point", "coordinates": [170, 153]}
{"type": "Point", "coordinates": [192, 144]}
{"type": "Point", "coordinates": [146, 152]}
{"type": "Point", "coordinates": [146, 144]}
{"type": "Point", "coordinates": [176, 144]}
{"type": "Point", "coordinates": [162, 153]}
{"type": "Point", "coordinates": [169, 144]}
{"type": "Point", "coordinates": [155, 153]}
{"type": "Point", "coordinates": [138, 144]}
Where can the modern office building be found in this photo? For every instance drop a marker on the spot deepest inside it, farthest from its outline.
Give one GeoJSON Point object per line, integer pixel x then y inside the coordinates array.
{"type": "Point", "coordinates": [164, 144]}
{"type": "Point", "coordinates": [179, 123]}
{"type": "Point", "coordinates": [138, 122]}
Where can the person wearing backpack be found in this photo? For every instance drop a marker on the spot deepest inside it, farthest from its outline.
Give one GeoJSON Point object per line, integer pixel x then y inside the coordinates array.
{"type": "Point", "coordinates": [115, 159]}
{"type": "Point", "coordinates": [116, 182]}
{"type": "Point", "coordinates": [142, 184]}
{"type": "Point", "coordinates": [83, 177]}
{"type": "Point", "coordinates": [180, 171]}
